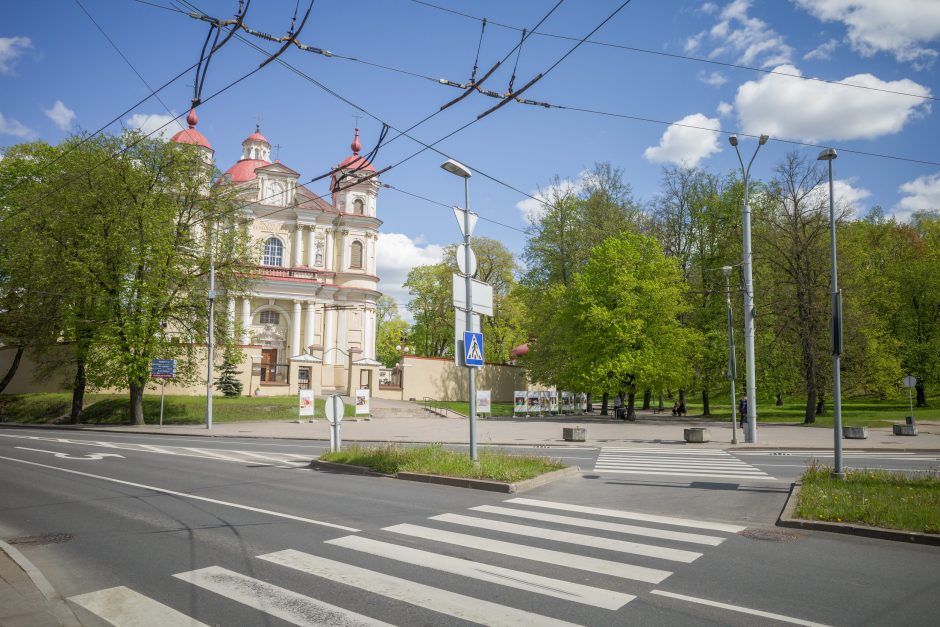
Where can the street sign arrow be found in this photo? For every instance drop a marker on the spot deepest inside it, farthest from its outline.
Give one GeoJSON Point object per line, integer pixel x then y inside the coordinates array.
{"type": "Point", "coordinates": [89, 456]}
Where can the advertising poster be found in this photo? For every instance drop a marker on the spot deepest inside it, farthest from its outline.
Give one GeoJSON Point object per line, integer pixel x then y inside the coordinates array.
{"type": "Point", "coordinates": [553, 402]}
{"type": "Point", "coordinates": [306, 402]}
{"type": "Point", "coordinates": [567, 402]}
{"type": "Point", "coordinates": [483, 402]}
{"type": "Point", "coordinates": [519, 405]}
{"type": "Point", "coordinates": [362, 402]}
{"type": "Point", "coordinates": [534, 403]}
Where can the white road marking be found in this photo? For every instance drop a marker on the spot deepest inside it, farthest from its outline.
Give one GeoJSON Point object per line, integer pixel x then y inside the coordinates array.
{"type": "Point", "coordinates": [547, 556]}
{"type": "Point", "coordinates": [648, 532]}
{"type": "Point", "coordinates": [616, 513]}
{"type": "Point", "coordinates": [86, 457]}
{"type": "Point", "coordinates": [738, 608]}
{"type": "Point", "coordinates": [157, 449]}
{"type": "Point", "coordinates": [713, 464]}
{"type": "Point", "coordinates": [672, 451]}
{"type": "Point", "coordinates": [122, 607]}
{"type": "Point", "coordinates": [691, 474]}
{"type": "Point", "coordinates": [621, 546]}
{"type": "Point", "coordinates": [206, 453]}
{"type": "Point", "coordinates": [428, 597]}
{"type": "Point", "coordinates": [188, 496]}
{"type": "Point", "coordinates": [521, 580]}
{"type": "Point", "coordinates": [287, 605]}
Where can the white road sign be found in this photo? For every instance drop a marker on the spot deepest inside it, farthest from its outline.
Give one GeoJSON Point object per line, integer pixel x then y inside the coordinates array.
{"type": "Point", "coordinates": [481, 293]}
{"type": "Point", "coordinates": [471, 219]}
{"type": "Point", "coordinates": [462, 260]}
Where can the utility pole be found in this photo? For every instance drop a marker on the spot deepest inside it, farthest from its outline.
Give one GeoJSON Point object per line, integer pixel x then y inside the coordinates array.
{"type": "Point", "coordinates": [211, 355]}
{"type": "Point", "coordinates": [732, 366]}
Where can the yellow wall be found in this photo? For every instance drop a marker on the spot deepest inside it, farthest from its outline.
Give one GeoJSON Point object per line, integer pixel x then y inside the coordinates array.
{"type": "Point", "coordinates": [442, 380]}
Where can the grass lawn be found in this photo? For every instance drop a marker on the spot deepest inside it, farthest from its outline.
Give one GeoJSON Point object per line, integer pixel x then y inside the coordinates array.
{"type": "Point", "coordinates": [872, 497]}
{"type": "Point", "coordinates": [177, 410]}
{"type": "Point", "coordinates": [437, 460]}
{"type": "Point", "coordinates": [499, 409]}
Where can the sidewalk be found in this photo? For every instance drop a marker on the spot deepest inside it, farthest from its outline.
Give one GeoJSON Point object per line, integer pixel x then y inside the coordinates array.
{"type": "Point", "coordinates": [601, 431]}
{"type": "Point", "coordinates": [26, 598]}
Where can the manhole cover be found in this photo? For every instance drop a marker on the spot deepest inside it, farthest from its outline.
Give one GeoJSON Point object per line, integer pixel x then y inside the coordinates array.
{"type": "Point", "coordinates": [46, 538]}
{"type": "Point", "coordinates": [770, 535]}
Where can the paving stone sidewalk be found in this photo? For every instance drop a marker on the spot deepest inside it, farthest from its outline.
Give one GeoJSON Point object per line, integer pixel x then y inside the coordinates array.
{"type": "Point", "coordinates": [28, 601]}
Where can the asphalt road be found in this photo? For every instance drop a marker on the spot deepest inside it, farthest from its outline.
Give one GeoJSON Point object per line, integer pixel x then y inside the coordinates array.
{"type": "Point", "coordinates": [240, 532]}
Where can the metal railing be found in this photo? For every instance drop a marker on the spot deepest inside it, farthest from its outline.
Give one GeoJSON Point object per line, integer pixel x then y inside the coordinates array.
{"type": "Point", "coordinates": [437, 407]}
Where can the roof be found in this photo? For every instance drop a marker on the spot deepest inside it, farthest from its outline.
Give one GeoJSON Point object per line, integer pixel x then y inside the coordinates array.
{"type": "Point", "coordinates": [257, 137]}
{"type": "Point", "coordinates": [244, 170]}
{"type": "Point", "coordinates": [191, 135]}
{"type": "Point", "coordinates": [355, 162]}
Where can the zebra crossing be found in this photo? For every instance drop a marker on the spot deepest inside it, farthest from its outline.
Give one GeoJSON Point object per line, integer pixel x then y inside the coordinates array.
{"type": "Point", "coordinates": [562, 557]}
{"type": "Point", "coordinates": [278, 459]}
{"type": "Point", "coordinates": [886, 455]}
{"type": "Point", "coordinates": [676, 462]}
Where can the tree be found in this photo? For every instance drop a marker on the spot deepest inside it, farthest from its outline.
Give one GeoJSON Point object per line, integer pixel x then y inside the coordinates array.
{"type": "Point", "coordinates": [228, 381]}
{"type": "Point", "coordinates": [432, 307]}
{"type": "Point", "coordinates": [390, 331]}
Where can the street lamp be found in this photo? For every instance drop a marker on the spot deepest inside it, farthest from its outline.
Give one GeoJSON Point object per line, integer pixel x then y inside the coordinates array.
{"type": "Point", "coordinates": [732, 366]}
{"type": "Point", "coordinates": [458, 169]}
{"type": "Point", "coordinates": [829, 154]}
{"type": "Point", "coordinates": [750, 435]}
{"type": "Point", "coordinates": [403, 349]}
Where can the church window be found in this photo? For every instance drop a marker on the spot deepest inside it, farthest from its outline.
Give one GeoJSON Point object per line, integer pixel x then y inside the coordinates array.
{"type": "Point", "coordinates": [358, 207]}
{"type": "Point", "coordinates": [273, 252]}
{"type": "Point", "coordinates": [356, 256]}
{"type": "Point", "coordinates": [269, 317]}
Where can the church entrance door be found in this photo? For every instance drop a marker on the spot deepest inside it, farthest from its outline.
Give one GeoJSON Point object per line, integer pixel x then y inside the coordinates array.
{"type": "Point", "coordinates": [268, 365]}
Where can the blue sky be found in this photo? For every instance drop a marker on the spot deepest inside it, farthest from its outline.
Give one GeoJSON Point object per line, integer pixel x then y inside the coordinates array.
{"type": "Point", "coordinates": [59, 74]}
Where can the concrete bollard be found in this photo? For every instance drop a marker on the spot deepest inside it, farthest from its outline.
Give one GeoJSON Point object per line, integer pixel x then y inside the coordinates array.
{"type": "Point", "coordinates": [574, 434]}
{"type": "Point", "coordinates": [905, 429]}
{"type": "Point", "coordinates": [855, 433]}
{"type": "Point", "coordinates": [697, 434]}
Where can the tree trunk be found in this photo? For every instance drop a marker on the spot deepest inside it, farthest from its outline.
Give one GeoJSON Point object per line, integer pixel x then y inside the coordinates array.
{"type": "Point", "coordinates": [19, 355]}
{"type": "Point", "coordinates": [779, 402]}
{"type": "Point", "coordinates": [78, 392]}
{"type": "Point", "coordinates": [706, 406]}
{"type": "Point", "coordinates": [631, 405]}
{"type": "Point", "coordinates": [662, 404]}
{"type": "Point", "coordinates": [647, 396]}
{"type": "Point", "coordinates": [821, 404]}
{"type": "Point", "coordinates": [589, 402]}
{"type": "Point", "coordinates": [809, 416]}
{"type": "Point", "coordinates": [682, 398]}
{"type": "Point", "coordinates": [919, 388]}
{"type": "Point", "coordinates": [137, 404]}
{"type": "Point", "coordinates": [604, 400]}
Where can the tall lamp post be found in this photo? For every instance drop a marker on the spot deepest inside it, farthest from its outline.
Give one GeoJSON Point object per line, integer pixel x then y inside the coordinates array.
{"type": "Point", "coordinates": [458, 169]}
{"type": "Point", "coordinates": [403, 349]}
{"type": "Point", "coordinates": [829, 154]}
{"type": "Point", "coordinates": [732, 366]}
{"type": "Point", "coordinates": [210, 357]}
{"type": "Point", "coordinates": [750, 436]}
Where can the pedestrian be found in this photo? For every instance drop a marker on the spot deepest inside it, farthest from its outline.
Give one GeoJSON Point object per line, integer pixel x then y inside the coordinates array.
{"type": "Point", "coordinates": [742, 410]}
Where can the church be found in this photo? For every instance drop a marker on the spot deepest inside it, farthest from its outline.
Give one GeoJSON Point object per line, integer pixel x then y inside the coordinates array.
{"type": "Point", "coordinates": [309, 321]}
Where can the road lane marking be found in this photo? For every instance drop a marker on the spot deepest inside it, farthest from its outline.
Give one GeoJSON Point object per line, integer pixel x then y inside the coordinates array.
{"type": "Point", "coordinates": [547, 556]}
{"type": "Point", "coordinates": [590, 523]}
{"type": "Point", "coordinates": [188, 496]}
{"type": "Point", "coordinates": [428, 597]}
{"type": "Point", "coordinates": [621, 546]}
{"type": "Point", "coordinates": [692, 474]}
{"type": "Point", "coordinates": [738, 608]}
{"type": "Point", "coordinates": [555, 588]}
{"type": "Point", "coordinates": [85, 457]}
{"type": "Point", "coordinates": [123, 607]}
{"type": "Point", "coordinates": [616, 513]}
{"type": "Point", "coordinates": [287, 605]}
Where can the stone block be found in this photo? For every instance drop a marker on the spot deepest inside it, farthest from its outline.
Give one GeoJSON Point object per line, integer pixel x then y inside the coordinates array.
{"type": "Point", "coordinates": [697, 434]}
{"type": "Point", "coordinates": [905, 429]}
{"type": "Point", "coordinates": [855, 433]}
{"type": "Point", "coordinates": [574, 434]}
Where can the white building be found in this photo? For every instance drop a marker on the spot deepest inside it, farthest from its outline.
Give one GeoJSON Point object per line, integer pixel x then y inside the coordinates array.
{"type": "Point", "coordinates": [310, 321]}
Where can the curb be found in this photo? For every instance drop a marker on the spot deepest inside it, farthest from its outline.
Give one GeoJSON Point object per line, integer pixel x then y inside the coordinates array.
{"type": "Point", "coordinates": [457, 482]}
{"type": "Point", "coordinates": [786, 519]}
{"type": "Point", "coordinates": [58, 606]}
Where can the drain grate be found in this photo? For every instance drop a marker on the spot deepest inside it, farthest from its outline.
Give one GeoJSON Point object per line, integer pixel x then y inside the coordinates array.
{"type": "Point", "coordinates": [770, 535]}
{"type": "Point", "coordinates": [46, 538]}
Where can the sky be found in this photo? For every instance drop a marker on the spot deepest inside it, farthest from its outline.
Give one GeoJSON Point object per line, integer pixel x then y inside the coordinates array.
{"type": "Point", "coordinates": [660, 83]}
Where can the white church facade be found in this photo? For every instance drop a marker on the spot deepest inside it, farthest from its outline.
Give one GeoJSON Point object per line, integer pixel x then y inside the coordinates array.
{"type": "Point", "coordinates": [309, 321]}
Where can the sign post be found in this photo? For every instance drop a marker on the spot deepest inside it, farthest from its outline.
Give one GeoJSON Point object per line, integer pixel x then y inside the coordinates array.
{"type": "Point", "coordinates": [910, 382]}
{"type": "Point", "coordinates": [162, 369]}
{"type": "Point", "coordinates": [334, 414]}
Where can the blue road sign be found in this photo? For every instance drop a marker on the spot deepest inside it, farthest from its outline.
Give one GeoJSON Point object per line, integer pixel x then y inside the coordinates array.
{"type": "Point", "coordinates": [163, 368]}
{"type": "Point", "coordinates": [472, 348]}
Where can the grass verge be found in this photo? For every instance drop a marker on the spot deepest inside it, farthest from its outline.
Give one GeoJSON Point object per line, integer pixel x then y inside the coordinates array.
{"type": "Point", "coordinates": [874, 497]}
{"type": "Point", "coordinates": [436, 460]}
{"type": "Point", "coordinates": [177, 410]}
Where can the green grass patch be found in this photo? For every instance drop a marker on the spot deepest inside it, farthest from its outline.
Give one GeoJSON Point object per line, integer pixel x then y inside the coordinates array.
{"type": "Point", "coordinates": [462, 407]}
{"type": "Point", "coordinates": [177, 410]}
{"type": "Point", "coordinates": [874, 497]}
{"type": "Point", "coordinates": [437, 460]}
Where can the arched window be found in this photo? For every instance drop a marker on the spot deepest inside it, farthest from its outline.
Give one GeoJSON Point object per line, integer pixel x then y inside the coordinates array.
{"type": "Point", "coordinates": [273, 252]}
{"type": "Point", "coordinates": [358, 207]}
{"type": "Point", "coordinates": [356, 255]}
{"type": "Point", "coordinates": [269, 317]}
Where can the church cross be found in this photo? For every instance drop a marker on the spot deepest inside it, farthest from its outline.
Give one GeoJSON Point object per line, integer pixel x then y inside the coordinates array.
{"type": "Point", "coordinates": [277, 152]}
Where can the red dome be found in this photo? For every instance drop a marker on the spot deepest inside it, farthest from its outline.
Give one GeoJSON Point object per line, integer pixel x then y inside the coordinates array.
{"type": "Point", "coordinates": [244, 170]}
{"type": "Point", "coordinates": [355, 162]}
{"type": "Point", "coordinates": [191, 135]}
{"type": "Point", "coordinates": [257, 137]}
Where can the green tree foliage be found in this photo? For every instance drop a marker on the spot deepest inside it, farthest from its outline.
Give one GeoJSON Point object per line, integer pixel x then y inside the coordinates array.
{"type": "Point", "coordinates": [228, 382]}
{"type": "Point", "coordinates": [391, 331]}
{"type": "Point", "coordinates": [432, 308]}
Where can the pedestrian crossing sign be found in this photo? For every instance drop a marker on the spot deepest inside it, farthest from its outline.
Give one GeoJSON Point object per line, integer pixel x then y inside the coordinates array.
{"type": "Point", "coordinates": [472, 348]}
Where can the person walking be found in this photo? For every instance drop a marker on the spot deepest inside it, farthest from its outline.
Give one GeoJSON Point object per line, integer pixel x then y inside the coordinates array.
{"type": "Point", "coordinates": [742, 410]}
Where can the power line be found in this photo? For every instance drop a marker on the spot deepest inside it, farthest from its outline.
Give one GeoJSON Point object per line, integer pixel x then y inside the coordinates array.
{"type": "Point", "coordinates": [682, 57]}
{"type": "Point", "coordinates": [437, 202]}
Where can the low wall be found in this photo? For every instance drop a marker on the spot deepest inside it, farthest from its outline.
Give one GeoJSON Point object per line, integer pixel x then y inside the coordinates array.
{"type": "Point", "coordinates": [442, 380]}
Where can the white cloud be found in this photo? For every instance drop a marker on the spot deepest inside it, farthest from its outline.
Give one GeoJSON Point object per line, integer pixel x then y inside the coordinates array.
{"type": "Point", "coordinates": [749, 38]}
{"type": "Point", "coordinates": [61, 115]}
{"type": "Point", "coordinates": [533, 210]}
{"type": "Point", "coordinates": [923, 193]}
{"type": "Point", "coordinates": [692, 43]}
{"type": "Point", "coordinates": [845, 195]}
{"type": "Point", "coordinates": [714, 79]}
{"type": "Point", "coordinates": [899, 27]}
{"type": "Point", "coordinates": [708, 7]}
{"type": "Point", "coordinates": [9, 126]}
{"type": "Point", "coordinates": [724, 109]}
{"type": "Point", "coordinates": [11, 48]}
{"type": "Point", "coordinates": [150, 122]}
{"type": "Point", "coordinates": [814, 111]}
{"type": "Point", "coordinates": [687, 146]}
{"type": "Point", "coordinates": [396, 255]}
{"type": "Point", "coordinates": [822, 51]}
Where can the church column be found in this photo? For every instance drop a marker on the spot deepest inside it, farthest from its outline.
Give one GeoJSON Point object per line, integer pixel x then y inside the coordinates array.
{"type": "Point", "coordinates": [329, 336]}
{"type": "Point", "coordinates": [343, 250]}
{"type": "Point", "coordinates": [330, 255]}
{"type": "Point", "coordinates": [311, 246]}
{"type": "Point", "coordinates": [368, 340]}
{"type": "Point", "coordinates": [308, 324]}
{"type": "Point", "coordinates": [230, 320]}
{"type": "Point", "coordinates": [295, 331]}
{"type": "Point", "coordinates": [375, 333]}
{"type": "Point", "coordinates": [341, 337]}
{"type": "Point", "coordinates": [298, 246]}
{"type": "Point", "coordinates": [246, 320]}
